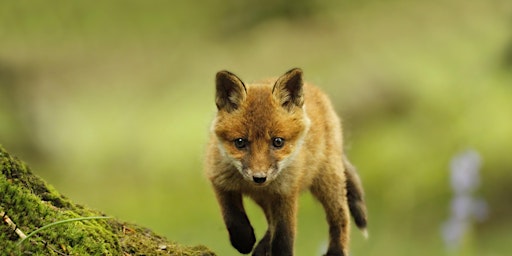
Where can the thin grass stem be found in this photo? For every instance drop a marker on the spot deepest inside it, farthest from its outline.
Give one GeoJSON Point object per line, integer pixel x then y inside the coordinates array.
{"type": "Point", "coordinates": [59, 223]}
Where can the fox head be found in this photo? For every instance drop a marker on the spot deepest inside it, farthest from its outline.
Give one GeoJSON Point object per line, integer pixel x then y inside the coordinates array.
{"type": "Point", "coordinates": [260, 127]}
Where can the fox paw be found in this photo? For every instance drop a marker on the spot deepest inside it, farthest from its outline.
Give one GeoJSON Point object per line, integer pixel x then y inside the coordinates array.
{"type": "Point", "coordinates": [335, 253]}
{"type": "Point", "coordinates": [242, 237]}
{"type": "Point", "coordinates": [263, 247]}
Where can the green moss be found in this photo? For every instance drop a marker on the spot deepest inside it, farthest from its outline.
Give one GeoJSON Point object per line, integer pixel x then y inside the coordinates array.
{"type": "Point", "coordinates": [31, 203]}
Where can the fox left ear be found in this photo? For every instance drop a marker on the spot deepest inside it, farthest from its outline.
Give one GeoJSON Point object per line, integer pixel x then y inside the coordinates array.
{"type": "Point", "coordinates": [288, 89]}
{"type": "Point", "coordinates": [230, 91]}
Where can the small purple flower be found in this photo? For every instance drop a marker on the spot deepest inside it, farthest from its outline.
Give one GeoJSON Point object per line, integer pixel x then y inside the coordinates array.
{"type": "Point", "coordinates": [465, 207]}
{"type": "Point", "coordinates": [464, 171]}
{"type": "Point", "coordinates": [452, 231]}
{"type": "Point", "coordinates": [462, 207]}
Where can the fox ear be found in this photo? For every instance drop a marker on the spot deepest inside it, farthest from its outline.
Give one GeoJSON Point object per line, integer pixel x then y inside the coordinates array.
{"type": "Point", "coordinates": [288, 89]}
{"type": "Point", "coordinates": [230, 91]}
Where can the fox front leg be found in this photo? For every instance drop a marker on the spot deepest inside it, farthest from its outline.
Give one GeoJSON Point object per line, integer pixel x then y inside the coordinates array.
{"type": "Point", "coordinates": [280, 236]}
{"type": "Point", "coordinates": [336, 208]}
{"type": "Point", "coordinates": [282, 240]}
{"type": "Point", "coordinates": [241, 233]}
{"type": "Point", "coordinates": [263, 247]}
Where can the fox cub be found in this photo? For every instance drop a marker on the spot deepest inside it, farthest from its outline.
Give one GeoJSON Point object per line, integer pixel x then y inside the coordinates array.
{"type": "Point", "coordinates": [270, 141]}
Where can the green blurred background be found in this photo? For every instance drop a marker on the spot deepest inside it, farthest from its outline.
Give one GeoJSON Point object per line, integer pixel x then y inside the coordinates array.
{"type": "Point", "coordinates": [110, 101]}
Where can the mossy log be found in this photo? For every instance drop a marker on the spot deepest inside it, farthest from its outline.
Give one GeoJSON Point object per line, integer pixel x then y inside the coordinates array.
{"type": "Point", "coordinates": [28, 203]}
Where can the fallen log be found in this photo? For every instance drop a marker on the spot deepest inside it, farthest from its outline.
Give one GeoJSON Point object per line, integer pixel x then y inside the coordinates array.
{"type": "Point", "coordinates": [29, 204]}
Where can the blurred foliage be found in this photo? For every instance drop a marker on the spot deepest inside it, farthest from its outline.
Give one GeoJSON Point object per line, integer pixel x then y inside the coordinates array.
{"type": "Point", "coordinates": [113, 100]}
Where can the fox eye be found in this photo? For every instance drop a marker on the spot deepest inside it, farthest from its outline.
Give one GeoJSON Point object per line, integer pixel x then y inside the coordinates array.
{"type": "Point", "coordinates": [278, 142]}
{"type": "Point", "coordinates": [240, 143]}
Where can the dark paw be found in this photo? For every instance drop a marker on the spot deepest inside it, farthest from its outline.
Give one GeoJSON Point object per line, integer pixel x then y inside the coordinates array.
{"type": "Point", "coordinates": [282, 242]}
{"type": "Point", "coordinates": [242, 237]}
{"type": "Point", "coordinates": [335, 252]}
{"type": "Point", "coordinates": [263, 247]}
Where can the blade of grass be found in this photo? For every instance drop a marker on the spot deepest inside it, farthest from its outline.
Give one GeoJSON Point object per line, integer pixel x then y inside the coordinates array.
{"type": "Point", "coordinates": [59, 223]}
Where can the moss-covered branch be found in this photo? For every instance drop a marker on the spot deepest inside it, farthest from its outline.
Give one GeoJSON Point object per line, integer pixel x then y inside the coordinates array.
{"type": "Point", "coordinates": [28, 203]}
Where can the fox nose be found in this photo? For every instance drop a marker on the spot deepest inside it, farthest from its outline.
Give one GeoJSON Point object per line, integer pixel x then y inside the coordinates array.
{"type": "Point", "coordinates": [259, 178]}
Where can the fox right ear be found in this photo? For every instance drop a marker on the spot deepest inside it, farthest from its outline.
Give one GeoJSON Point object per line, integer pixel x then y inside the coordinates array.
{"type": "Point", "coordinates": [230, 91]}
{"type": "Point", "coordinates": [288, 89]}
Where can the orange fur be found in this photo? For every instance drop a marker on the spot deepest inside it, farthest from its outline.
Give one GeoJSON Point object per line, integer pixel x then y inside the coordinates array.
{"type": "Point", "coordinates": [270, 141]}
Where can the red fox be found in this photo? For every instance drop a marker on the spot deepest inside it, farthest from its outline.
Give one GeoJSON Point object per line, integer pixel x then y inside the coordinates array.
{"type": "Point", "coordinates": [270, 141]}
